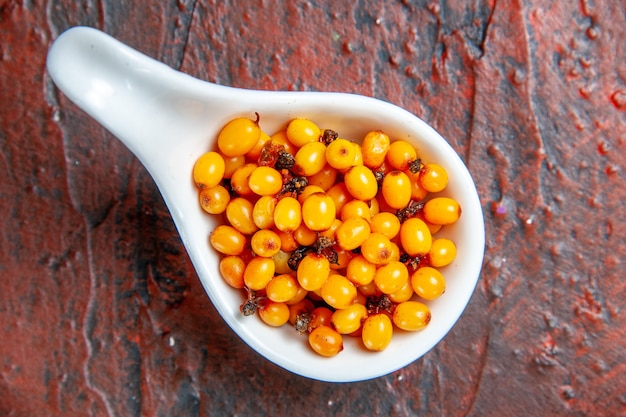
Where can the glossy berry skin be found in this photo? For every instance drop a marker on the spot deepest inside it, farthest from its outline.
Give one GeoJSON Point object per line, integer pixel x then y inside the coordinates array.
{"type": "Point", "coordinates": [324, 179]}
{"type": "Point", "coordinates": [415, 237]}
{"type": "Point", "coordinates": [301, 131]}
{"type": "Point", "coordinates": [411, 316]}
{"type": "Point", "coordinates": [377, 332]}
{"type": "Point", "coordinates": [374, 147]}
{"type": "Point", "coordinates": [273, 313]}
{"type": "Point", "coordinates": [313, 271]}
{"type": "Point", "coordinates": [325, 341]}
{"type": "Point", "coordinates": [338, 291]}
{"type": "Point", "coordinates": [231, 269]}
{"type": "Point", "coordinates": [352, 233]}
{"type": "Point", "coordinates": [282, 288]}
{"type": "Point", "coordinates": [442, 210]}
{"type": "Point", "coordinates": [442, 252]}
{"type": "Point", "coordinates": [239, 215]}
{"type": "Point", "coordinates": [378, 249]}
{"type": "Point", "coordinates": [428, 283]}
{"type": "Point", "coordinates": [348, 320]}
{"type": "Point", "coordinates": [238, 136]}
{"type": "Point", "coordinates": [263, 212]}
{"type": "Point", "coordinates": [227, 240]}
{"type": "Point", "coordinates": [265, 243]}
{"type": "Point", "coordinates": [386, 224]}
{"type": "Point", "coordinates": [310, 159]}
{"type": "Point", "coordinates": [340, 154]}
{"type": "Point", "coordinates": [259, 272]}
{"type": "Point", "coordinates": [396, 189]}
{"type": "Point", "coordinates": [208, 170]}
{"type": "Point", "coordinates": [433, 178]}
{"type": "Point", "coordinates": [239, 180]}
{"type": "Point", "coordinates": [265, 181]}
{"type": "Point", "coordinates": [360, 271]}
{"type": "Point", "coordinates": [361, 182]}
{"type": "Point", "coordinates": [400, 155]}
{"type": "Point", "coordinates": [214, 200]}
{"type": "Point", "coordinates": [318, 211]}
{"type": "Point", "coordinates": [287, 214]}
{"type": "Point", "coordinates": [391, 277]}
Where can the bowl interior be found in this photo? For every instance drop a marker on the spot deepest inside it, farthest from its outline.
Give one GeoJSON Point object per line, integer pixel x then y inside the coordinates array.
{"type": "Point", "coordinates": [352, 117]}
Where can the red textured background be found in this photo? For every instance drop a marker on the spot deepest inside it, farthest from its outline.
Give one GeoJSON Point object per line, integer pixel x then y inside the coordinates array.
{"type": "Point", "coordinates": [101, 312]}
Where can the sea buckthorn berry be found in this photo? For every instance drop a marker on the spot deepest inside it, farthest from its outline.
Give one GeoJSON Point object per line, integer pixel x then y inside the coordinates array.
{"type": "Point", "coordinates": [280, 138]}
{"type": "Point", "coordinates": [304, 236]}
{"type": "Point", "coordinates": [238, 136]}
{"type": "Point", "coordinates": [411, 316]}
{"type": "Point", "coordinates": [385, 223]}
{"type": "Point", "coordinates": [265, 181]}
{"type": "Point", "coordinates": [433, 178]}
{"type": "Point", "coordinates": [208, 170]}
{"type": "Point", "coordinates": [310, 159]}
{"type": "Point", "coordinates": [340, 195]}
{"type": "Point", "coordinates": [391, 277]}
{"type": "Point", "coordinates": [265, 243]}
{"type": "Point", "coordinates": [375, 146]}
{"type": "Point", "coordinates": [301, 294]}
{"type": "Point", "coordinates": [239, 179]}
{"type": "Point", "coordinates": [401, 154]}
{"type": "Point", "coordinates": [418, 193]}
{"type": "Point", "coordinates": [331, 232]}
{"type": "Point", "coordinates": [227, 240]}
{"type": "Point", "coordinates": [442, 210]}
{"type": "Point", "coordinates": [369, 290]}
{"type": "Point", "coordinates": [304, 306]}
{"type": "Point", "coordinates": [320, 316]}
{"type": "Point", "coordinates": [231, 164]}
{"type": "Point", "coordinates": [361, 182]}
{"type": "Point", "coordinates": [259, 272]}
{"type": "Point", "coordinates": [352, 233]}
{"type": "Point", "coordinates": [358, 159]}
{"type": "Point", "coordinates": [343, 258]}
{"type": "Point", "coordinates": [288, 242]}
{"type": "Point", "coordinates": [442, 252]}
{"type": "Point", "coordinates": [231, 269]}
{"type": "Point", "coordinates": [239, 215]}
{"type": "Point", "coordinates": [282, 288]}
{"type": "Point", "coordinates": [355, 208]}
{"type": "Point", "coordinates": [324, 179]}
{"type": "Point", "coordinates": [396, 189]}
{"type": "Point", "coordinates": [318, 211]}
{"type": "Point", "coordinates": [377, 332]}
{"type": "Point", "coordinates": [374, 206]}
{"type": "Point", "coordinates": [360, 271]}
{"type": "Point", "coordinates": [403, 294]}
{"type": "Point", "coordinates": [378, 249]}
{"type": "Point", "coordinates": [273, 313]}
{"type": "Point", "coordinates": [254, 153]}
{"type": "Point", "coordinates": [325, 341]}
{"type": "Point", "coordinates": [281, 261]}
{"type": "Point", "coordinates": [214, 200]}
{"type": "Point", "coordinates": [348, 320]}
{"type": "Point", "coordinates": [287, 214]}
{"type": "Point", "coordinates": [308, 190]}
{"type": "Point", "coordinates": [263, 212]}
{"type": "Point", "coordinates": [313, 271]}
{"type": "Point", "coordinates": [302, 131]}
{"type": "Point", "coordinates": [338, 291]}
{"type": "Point", "coordinates": [340, 154]}
{"type": "Point", "coordinates": [415, 237]}
{"type": "Point", "coordinates": [428, 283]}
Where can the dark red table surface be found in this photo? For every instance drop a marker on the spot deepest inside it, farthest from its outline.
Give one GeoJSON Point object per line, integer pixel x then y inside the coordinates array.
{"type": "Point", "coordinates": [101, 312]}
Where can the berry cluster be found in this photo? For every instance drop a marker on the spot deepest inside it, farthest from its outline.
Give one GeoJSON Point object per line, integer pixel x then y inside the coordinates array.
{"type": "Point", "coordinates": [334, 237]}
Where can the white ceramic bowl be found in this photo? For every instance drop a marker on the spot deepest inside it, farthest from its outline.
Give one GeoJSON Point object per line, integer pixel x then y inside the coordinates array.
{"type": "Point", "coordinates": [168, 119]}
